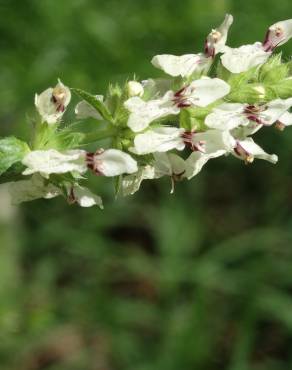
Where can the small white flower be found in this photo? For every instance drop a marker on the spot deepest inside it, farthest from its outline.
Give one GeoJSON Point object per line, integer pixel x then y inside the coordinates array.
{"type": "Point", "coordinates": [135, 88]}
{"type": "Point", "coordinates": [248, 150]}
{"type": "Point", "coordinates": [111, 162]}
{"type": "Point", "coordinates": [84, 110]}
{"type": "Point", "coordinates": [31, 189]}
{"type": "Point", "coordinates": [83, 196]}
{"type": "Point", "coordinates": [184, 65]}
{"type": "Point", "coordinates": [199, 93]}
{"type": "Point", "coordinates": [238, 60]}
{"type": "Point", "coordinates": [278, 34]}
{"type": "Point", "coordinates": [216, 40]}
{"type": "Point", "coordinates": [228, 116]}
{"type": "Point", "coordinates": [209, 144]}
{"type": "Point", "coordinates": [132, 183]}
{"type": "Point", "coordinates": [159, 139]}
{"type": "Point", "coordinates": [51, 103]}
{"type": "Point", "coordinates": [51, 161]}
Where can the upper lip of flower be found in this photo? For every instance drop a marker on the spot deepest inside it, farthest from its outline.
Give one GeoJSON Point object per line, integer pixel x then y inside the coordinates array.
{"type": "Point", "coordinates": [277, 34]}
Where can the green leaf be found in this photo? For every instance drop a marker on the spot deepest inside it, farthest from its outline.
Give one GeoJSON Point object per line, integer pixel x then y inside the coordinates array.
{"type": "Point", "coordinates": [12, 150]}
{"type": "Point", "coordinates": [68, 139]}
{"type": "Point", "coordinates": [98, 105]}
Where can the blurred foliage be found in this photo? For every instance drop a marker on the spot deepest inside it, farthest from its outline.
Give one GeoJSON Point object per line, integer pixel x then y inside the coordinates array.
{"type": "Point", "coordinates": [199, 280]}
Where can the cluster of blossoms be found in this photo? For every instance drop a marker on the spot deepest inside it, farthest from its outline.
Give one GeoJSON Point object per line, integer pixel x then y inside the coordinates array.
{"type": "Point", "coordinates": [208, 105]}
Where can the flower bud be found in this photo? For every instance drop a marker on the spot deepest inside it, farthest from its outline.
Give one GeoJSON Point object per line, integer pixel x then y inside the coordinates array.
{"type": "Point", "coordinates": [135, 89]}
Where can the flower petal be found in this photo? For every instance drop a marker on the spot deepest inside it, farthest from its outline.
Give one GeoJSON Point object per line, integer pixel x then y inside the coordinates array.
{"type": "Point", "coordinates": [248, 150]}
{"type": "Point", "coordinates": [84, 197]}
{"type": "Point", "coordinates": [114, 162]}
{"type": "Point", "coordinates": [227, 116]}
{"type": "Point", "coordinates": [206, 90]}
{"type": "Point", "coordinates": [142, 113]}
{"type": "Point", "coordinates": [238, 60]}
{"type": "Point", "coordinates": [184, 65]}
{"type": "Point", "coordinates": [159, 139]}
{"type": "Point", "coordinates": [51, 161]}
{"type": "Point", "coordinates": [275, 109]}
{"type": "Point", "coordinates": [286, 119]}
{"type": "Point", "coordinates": [168, 164]}
{"type": "Point", "coordinates": [215, 144]}
{"type": "Point", "coordinates": [216, 39]}
{"type": "Point", "coordinates": [278, 34]}
{"type": "Point", "coordinates": [132, 183]}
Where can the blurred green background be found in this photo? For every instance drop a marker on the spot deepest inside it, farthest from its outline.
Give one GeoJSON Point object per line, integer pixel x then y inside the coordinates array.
{"type": "Point", "coordinates": [199, 280]}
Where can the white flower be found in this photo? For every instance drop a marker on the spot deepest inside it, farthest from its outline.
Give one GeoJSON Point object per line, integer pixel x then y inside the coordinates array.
{"type": "Point", "coordinates": [132, 183]}
{"type": "Point", "coordinates": [159, 139]}
{"type": "Point", "coordinates": [84, 110]}
{"type": "Point", "coordinates": [51, 161]}
{"type": "Point", "coordinates": [111, 162]}
{"type": "Point", "coordinates": [51, 103]}
{"type": "Point", "coordinates": [135, 88]}
{"type": "Point", "coordinates": [184, 65]}
{"type": "Point", "coordinates": [209, 144]}
{"type": "Point", "coordinates": [83, 196]}
{"type": "Point", "coordinates": [278, 34]}
{"type": "Point", "coordinates": [248, 150]}
{"type": "Point", "coordinates": [228, 116]}
{"type": "Point", "coordinates": [31, 189]}
{"type": "Point", "coordinates": [216, 40]}
{"type": "Point", "coordinates": [238, 60]}
{"type": "Point", "coordinates": [200, 93]}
